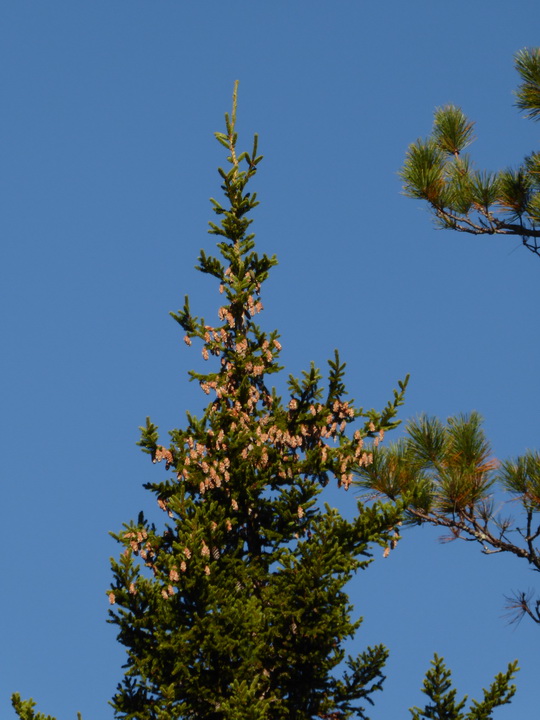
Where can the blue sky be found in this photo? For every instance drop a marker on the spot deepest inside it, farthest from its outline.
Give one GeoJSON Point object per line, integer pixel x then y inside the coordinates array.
{"type": "Point", "coordinates": [108, 161]}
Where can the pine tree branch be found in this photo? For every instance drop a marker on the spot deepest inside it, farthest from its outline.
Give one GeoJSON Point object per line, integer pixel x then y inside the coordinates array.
{"type": "Point", "coordinates": [464, 199]}
{"type": "Point", "coordinates": [493, 226]}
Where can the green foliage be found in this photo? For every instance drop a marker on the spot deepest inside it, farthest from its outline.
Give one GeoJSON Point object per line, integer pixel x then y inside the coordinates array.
{"type": "Point", "coordinates": [452, 131]}
{"type": "Point", "coordinates": [234, 606]}
{"type": "Point", "coordinates": [25, 709]}
{"type": "Point", "coordinates": [443, 705]}
{"type": "Point", "coordinates": [521, 478]}
{"type": "Point", "coordinates": [514, 192]}
{"type": "Point", "coordinates": [439, 469]}
{"type": "Point", "coordinates": [424, 170]}
{"type": "Point", "coordinates": [445, 475]}
{"type": "Point", "coordinates": [478, 202]}
{"type": "Point", "coordinates": [528, 93]}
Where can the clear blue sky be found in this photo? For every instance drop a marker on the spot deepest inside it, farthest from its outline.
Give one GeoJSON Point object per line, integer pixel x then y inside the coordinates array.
{"type": "Point", "coordinates": [107, 163]}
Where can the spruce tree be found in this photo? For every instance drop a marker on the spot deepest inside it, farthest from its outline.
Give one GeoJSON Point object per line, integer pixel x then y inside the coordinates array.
{"type": "Point", "coordinates": [479, 202]}
{"type": "Point", "coordinates": [235, 607]}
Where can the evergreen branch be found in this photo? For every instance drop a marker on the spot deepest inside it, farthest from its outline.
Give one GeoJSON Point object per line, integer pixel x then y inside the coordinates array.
{"type": "Point", "coordinates": [461, 198]}
{"type": "Point", "coordinates": [25, 709]}
{"type": "Point", "coordinates": [500, 693]}
{"type": "Point", "coordinates": [438, 688]}
{"type": "Point", "coordinates": [443, 473]}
